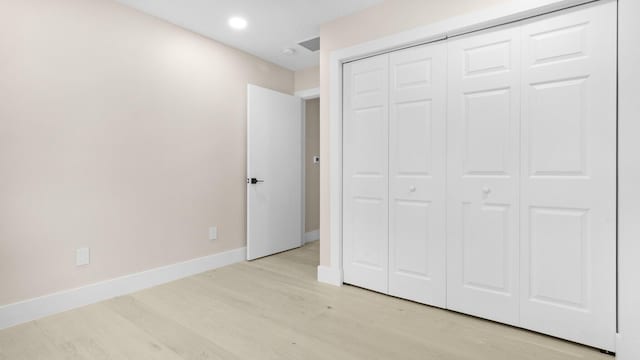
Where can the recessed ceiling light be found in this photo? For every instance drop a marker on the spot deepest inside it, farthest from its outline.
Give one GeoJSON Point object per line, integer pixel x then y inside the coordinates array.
{"type": "Point", "coordinates": [237, 23]}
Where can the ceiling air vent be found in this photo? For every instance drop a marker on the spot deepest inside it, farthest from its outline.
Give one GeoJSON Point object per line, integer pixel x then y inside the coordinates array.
{"type": "Point", "coordinates": [311, 44]}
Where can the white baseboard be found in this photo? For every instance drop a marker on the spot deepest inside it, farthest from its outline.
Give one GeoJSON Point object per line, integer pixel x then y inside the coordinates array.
{"type": "Point", "coordinates": [36, 308]}
{"type": "Point", "coordinates": [311, 236]}
{"type": "Point", "coordinates": [329, 275]}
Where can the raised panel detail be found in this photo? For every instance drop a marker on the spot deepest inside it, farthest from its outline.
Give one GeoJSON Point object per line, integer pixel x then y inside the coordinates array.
{"type": "Point", "coordinates": [485, 241]}
{"type": "Point", "coordinates": [488, 59]}
{"type": "Point", "coordinates": [369, 131]}
{"type": "Point", "coordinates": [411, 234]}
{"type": "Point", "coordinates": [416, 73]}
{"type": "Point", "coordinates": [557, 128]}
{"type": "Point", "coordinates": [367, 82]}
{"type": "Point", "coordinates": [559, 252]}
{"type": "Point", "coordinates": [365, 180]}
{"type": "Point", "coordinates": [559, 44]}
{"type": "Point", "coordinates": [414, 142]}
{"type": "Point", "coordinates": [367, 240]}
{"type": "Point", "coordinates": [487, 132]}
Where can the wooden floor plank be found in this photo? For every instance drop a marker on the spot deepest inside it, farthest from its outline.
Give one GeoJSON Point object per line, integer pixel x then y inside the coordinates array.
{"type": "Point", "coordinates": [273, 308]}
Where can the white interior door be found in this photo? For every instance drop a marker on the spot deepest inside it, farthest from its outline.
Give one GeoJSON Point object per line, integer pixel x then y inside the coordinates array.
{"type": "Point", "coordinates": [274, 159]}
{"type": "Point", "coordinates": [417, 138]}
{"type": "Point", "coordinates": [365, 171]}
{"type": "Point", "coordinates": [483, 174]}
{"type": "Point", "coordinates": [568, 204]}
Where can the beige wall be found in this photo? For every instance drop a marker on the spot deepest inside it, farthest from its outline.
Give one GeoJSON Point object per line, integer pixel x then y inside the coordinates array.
{"type": "Point", "coordinates": [307, 79]}
{"type": "Point", "coordinates": [389, 17]}
{"type": "Point", "coordinates": [312, 171]}
{"type": "Point", "coordinates": [119, 132]}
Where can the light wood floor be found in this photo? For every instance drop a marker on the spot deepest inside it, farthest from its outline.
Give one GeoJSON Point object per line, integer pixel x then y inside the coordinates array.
{"type": "Point", "coordinates": [273, 308]}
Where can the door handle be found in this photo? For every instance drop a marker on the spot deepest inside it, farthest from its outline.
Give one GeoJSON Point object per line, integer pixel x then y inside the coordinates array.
{"type": "Point", "coordinates": [486, 191]}
{"type": "Point", "coordinates": [254, 181]}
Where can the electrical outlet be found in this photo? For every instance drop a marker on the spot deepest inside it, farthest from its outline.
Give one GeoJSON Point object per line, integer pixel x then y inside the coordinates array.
{"type": "Point", "coordinates": [83, 257]}
{"type": "Point", "coordinates": [213, 233]}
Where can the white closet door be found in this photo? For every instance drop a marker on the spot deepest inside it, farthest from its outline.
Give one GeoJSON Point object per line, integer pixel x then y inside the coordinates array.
{"type": "Point", "coordinates": [366, 173]}
{"type": "Point", "coordinates": [568, 212]}
{"type": "Point", "coordinates": [483, 171]}
{"type": "Point", "coordinates": [417, 239]}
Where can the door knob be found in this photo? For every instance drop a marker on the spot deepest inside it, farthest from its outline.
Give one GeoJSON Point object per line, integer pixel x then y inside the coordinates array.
{"type": "Point", "coordinates": [486, 190]}
{"type": "Point", "coordinates": [254, 181]}
{"type": "Point", "coordinates": [412, 189]}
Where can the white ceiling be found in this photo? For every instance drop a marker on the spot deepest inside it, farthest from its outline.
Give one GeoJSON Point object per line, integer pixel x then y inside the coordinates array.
{"type": "Point", "coordinates": [273, 24]}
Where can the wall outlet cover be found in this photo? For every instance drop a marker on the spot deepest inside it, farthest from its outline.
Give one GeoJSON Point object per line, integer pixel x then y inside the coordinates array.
{"type": "Point", "coordinates": [213, 233]}
{"type": "Point", "coordinates": [83, 256]}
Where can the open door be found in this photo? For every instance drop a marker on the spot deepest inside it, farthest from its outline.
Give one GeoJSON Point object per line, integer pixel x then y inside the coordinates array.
{"type": "Point", "coordinates": [274, 172]}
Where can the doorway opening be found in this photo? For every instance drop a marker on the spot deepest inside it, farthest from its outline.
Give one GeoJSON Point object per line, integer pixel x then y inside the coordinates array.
{"type": "Point", "coordinates": [311, 169]}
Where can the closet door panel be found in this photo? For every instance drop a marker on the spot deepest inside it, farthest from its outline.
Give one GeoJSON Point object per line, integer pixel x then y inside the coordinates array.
{"type": "Point", "coordinates": [568, 206]}
{"type": "Point", "coordinates": [483, 174]}
{"type": "Point", "coordinates": [417, 239]}
{"type": "Point", "coordinates": [365, 183]}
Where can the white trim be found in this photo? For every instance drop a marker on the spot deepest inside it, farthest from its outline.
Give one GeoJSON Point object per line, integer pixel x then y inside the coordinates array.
{"type": "Point", "coordinates": [308, 94]}
{"type": "Point", "coordinates": [335, 165]}
{"type": "Point", "coordinates": [310, 236]}
{"type": "Point", "coordinates": [36, 308]}
{"type": "Point", "coordinates": [329, 275]}
{"type": "Point", "coordinates": [628, 344]}
{"type": "Point", "coordinates": [493, 16]}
